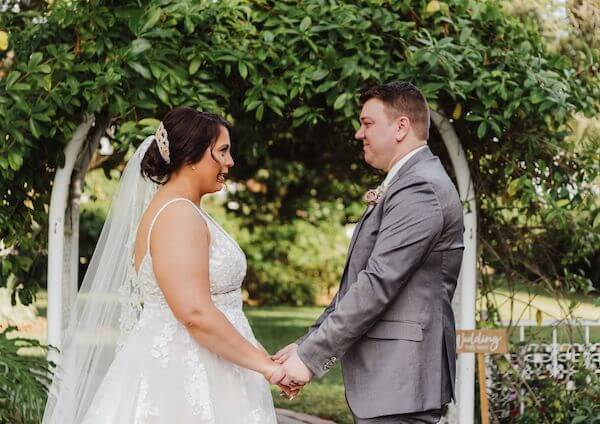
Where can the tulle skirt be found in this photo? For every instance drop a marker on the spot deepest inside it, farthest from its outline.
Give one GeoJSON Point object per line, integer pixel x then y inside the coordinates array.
{"type": "Point", "coordinates": [162, 375]}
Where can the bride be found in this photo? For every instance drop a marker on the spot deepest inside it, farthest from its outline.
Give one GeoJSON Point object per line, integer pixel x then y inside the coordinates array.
{"type": "Point", "coordinates": [157, 333]}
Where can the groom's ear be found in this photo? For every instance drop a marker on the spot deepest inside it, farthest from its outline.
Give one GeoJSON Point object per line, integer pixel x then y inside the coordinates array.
{"type": "Point", "coordinates": [402, 127]}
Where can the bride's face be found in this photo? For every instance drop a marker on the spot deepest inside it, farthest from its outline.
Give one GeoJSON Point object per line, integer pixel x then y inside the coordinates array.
{"type": "Point", "coordinates": [213, 167]}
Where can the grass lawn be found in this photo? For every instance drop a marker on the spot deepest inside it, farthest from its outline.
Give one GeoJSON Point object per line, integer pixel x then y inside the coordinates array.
{"type": "Point", "coordinates": [277, 326]}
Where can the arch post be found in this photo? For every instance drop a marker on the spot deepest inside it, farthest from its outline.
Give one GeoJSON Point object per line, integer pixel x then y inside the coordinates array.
{"type": "Point", "coordinates": [465, 297]}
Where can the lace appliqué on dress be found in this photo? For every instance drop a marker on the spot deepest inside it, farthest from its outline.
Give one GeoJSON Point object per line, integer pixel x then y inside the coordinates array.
{"type": "Point", "coordinates": [143, 409]}
{"type": "Point", "coordinates": [160, 346]}
{"type": "Point", "coordinates": [197, 391]}
{"type": "Point", "coordinates": [131, 299]}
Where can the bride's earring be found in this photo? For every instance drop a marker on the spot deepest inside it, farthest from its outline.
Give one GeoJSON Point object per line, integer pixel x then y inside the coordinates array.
{"type": "Point", "coordinates": [193, 167]}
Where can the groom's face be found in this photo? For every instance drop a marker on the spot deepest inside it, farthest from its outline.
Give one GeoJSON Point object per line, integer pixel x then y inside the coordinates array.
{"type": "Point", "coordinates": [378, 133]}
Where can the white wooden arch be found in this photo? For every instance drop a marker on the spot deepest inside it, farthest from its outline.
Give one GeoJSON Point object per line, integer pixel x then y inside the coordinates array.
{"type": "Point", "coordinates": [63, 248]}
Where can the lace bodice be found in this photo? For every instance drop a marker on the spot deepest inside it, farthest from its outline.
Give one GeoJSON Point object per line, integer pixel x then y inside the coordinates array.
{"type": "Point", "coordinates": [227, 269]}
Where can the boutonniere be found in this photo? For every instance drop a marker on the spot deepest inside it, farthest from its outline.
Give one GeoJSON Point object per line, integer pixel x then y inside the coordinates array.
{"type": "Point", "coordinates": [373, 196]}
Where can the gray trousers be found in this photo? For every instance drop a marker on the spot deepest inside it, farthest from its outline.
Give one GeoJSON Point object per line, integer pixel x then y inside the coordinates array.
{"type": "Point", "coordinates": [426, 417]}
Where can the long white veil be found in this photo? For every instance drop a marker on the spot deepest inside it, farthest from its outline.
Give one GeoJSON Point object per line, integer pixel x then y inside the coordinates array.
{"type": "Point", "coordinates": [107, 305]}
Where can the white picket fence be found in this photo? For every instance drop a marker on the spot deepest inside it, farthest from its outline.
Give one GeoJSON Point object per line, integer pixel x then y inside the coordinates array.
{"type": "Point", "coordinates": [555, 358]}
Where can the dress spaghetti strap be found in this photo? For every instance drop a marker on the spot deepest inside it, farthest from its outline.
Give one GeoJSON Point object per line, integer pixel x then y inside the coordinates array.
{"type": "Point", "coordinates": [159, 211]}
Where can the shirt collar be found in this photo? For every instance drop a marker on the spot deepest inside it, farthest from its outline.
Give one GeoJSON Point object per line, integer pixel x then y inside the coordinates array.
{"type": "Point", "coordinates": [394, 170]}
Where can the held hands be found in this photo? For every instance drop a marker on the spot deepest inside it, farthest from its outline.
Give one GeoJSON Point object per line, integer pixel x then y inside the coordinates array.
{"type": "Point", "coordinates": [287, 371]}
{"type": "Point", "coordinates": [284, 353]}
{"type": "Point", "coordinates": [275, 374]}
{"type": "Point", "coordinates": [297, 374]}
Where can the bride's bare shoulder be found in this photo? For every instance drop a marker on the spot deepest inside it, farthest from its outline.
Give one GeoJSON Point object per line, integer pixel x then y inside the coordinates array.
{"type": "Point", "coordinates": [179, 220]}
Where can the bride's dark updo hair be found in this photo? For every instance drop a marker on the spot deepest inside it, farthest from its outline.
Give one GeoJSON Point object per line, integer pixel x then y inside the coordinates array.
{"type": "Point", "coordinates": [190, 133]}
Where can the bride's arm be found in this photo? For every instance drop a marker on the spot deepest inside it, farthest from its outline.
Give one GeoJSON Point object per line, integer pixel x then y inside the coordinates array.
{"type": "Point", "coordinates": [179, 248]}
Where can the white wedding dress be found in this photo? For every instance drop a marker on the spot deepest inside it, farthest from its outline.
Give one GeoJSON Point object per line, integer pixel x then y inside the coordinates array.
{"type": "Point", "coordinates": [160, 374]}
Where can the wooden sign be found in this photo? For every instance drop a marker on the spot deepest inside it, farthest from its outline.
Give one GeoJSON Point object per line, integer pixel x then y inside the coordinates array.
{"type": "Point", "coordinates": [482, 341]}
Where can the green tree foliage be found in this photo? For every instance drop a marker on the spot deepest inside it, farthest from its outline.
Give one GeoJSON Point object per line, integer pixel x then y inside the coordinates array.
{"type": "Point", "coordinates": [288, 74]}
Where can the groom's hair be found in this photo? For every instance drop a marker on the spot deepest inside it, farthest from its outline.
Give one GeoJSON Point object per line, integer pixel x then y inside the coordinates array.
{"type": "Point", "coordinates": [402, 98]}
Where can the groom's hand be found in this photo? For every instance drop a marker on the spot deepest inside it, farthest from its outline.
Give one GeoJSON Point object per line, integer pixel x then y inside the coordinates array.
{"type": "Point", "coordinates": [283, 354]}
{"type": "Point", "coordinates": [297, 373]}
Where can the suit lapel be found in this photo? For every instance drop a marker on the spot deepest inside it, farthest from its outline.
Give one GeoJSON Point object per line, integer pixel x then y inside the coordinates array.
{"type": "Point", "coordinates": [358, 227]}
{"type": "Point", "coordinates": [419, 156]}
{"type": "Point", "coordinates": [355, 234]}
{"type": "Point", "coordinates": [423, 154]}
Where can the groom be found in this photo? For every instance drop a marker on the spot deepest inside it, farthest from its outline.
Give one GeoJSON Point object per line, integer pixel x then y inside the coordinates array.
{"type": "Point", "coordinates": [391, 323]}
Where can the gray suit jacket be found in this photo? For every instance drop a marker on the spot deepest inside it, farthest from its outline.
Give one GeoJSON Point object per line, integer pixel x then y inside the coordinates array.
{"type": "Point", "coordinates": [391, 323]}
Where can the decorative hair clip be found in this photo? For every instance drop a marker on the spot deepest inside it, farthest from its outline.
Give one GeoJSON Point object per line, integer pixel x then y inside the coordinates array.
{"type": "Point", "coordinates": [162, 141]}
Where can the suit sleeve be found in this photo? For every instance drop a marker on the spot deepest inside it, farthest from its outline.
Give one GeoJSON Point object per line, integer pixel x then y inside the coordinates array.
{"type": "Point", "coordinates": [411, 225]}
{"type": "Point", "coordinates": [319, 320]}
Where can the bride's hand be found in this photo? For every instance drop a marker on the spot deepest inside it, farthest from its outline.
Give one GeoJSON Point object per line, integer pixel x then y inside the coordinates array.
{"type": "Point", "coordinates": [275, 373]}
{"type": "Point", "coordinates": [261, 347]}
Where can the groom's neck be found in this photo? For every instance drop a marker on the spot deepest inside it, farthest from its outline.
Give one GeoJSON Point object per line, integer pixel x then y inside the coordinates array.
{"type": "Point", "coordinates": [403, 150]}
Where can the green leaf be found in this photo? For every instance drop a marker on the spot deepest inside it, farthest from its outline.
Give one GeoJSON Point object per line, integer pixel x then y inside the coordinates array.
{"type": "Point", "coordinates": [149, 122]}
{"type": "Point", "coordinates": [146, 104]}
{"type": "Point", "coordinates": [513, 187]}
{"type": "Point", "coordinates": [596, 223]}
{"type": "Point", "coordinates": [127, 127]}
{"type": "Point", "coordinates": [12, 77]}
{"type": "Point", "coordinates": [189, 25]}
{"type": "Point", "coordinates": [156, 70]}
{"type": "Point", "coordinates": [432, 7]}
{"type": "Point", "coordinates": [44, 69]}
{"type": "Point", "coordinates": [326, 86]}
{"type": "Point", "coordinates": [243, 69]}
{"type": "Point", "coordinates": [278, 87]}
{"type": "Point", "coordinates": [319, 74]}
{"type": "Point", "coordinates": [153, 17]}
{"type": "Point", "coordinates": [162, 94]}
{"type": "Point", "coordinates": [34, 60]}
{"type": "Point", "coordinates": [482, 130]}
{"type": "Point", "coordinates": [305, 24]}
{"type": "Point", "coordinates": [20, 86]}
{"type": "Point", "coordinates": [340, 101]}
{"type": "Point", "coordinates": [140, 69]}
{"type": "Point", "coordinates": [536, 97]}
{"type": "Point", "coordinates": [260, 110]}
{"type": "Point", "coordinates": [268, 36]}
{"type": "Point", "coordinates": [35, 130]}
{"type": "Point", "coordinates": [473, 118]}
{"type": "Point", "coordinates": [253, 105]}
{"type": "Point", "coordinates": [139, 46]}
{"type": "Point", "coordinates": [194, 66]}
{"type": "Point", "coordinates": [15, 160]}
{"type": "Point", "coordinates": [301, 111]}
